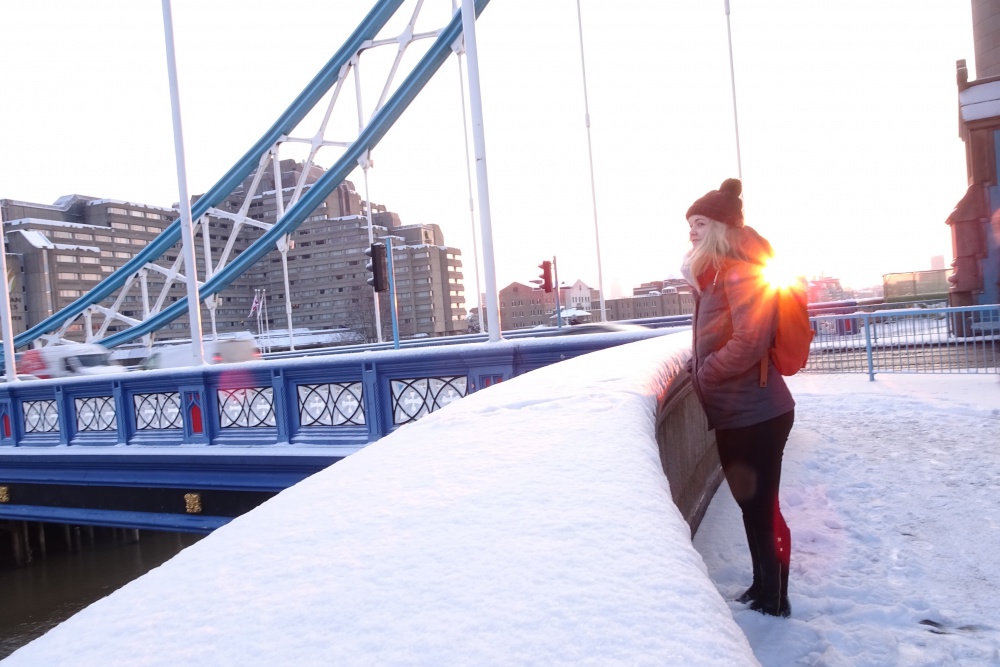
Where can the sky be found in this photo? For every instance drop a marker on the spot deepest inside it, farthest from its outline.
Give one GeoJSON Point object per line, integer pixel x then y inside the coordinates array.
{"type": "Point", "coordinates": [524, 526]}
{"type": "Point", "coordinates": [848, 130]}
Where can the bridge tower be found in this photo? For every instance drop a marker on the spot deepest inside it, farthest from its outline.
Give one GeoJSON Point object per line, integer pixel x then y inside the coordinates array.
{"type": "Point", "coordinates": [975, 222]}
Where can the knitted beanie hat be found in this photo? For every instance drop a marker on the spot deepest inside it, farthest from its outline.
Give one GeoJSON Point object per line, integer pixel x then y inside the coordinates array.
{"type": "Point", "coordinates": [723, 204]}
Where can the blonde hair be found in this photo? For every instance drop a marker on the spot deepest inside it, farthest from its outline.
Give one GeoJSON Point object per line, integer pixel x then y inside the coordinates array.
{"type": "Point", "coordinates": [712, 250]}
{"type": "Point", "coordinates": [723, 242]}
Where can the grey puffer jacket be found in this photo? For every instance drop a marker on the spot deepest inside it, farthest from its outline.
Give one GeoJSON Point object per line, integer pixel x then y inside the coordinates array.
{"type": "Point", "coordinates": [734, 321]}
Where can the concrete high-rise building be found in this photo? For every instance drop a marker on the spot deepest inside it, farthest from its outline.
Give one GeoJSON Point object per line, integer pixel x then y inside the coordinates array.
{"type": "Point", "coordinates": [65, 249]}
{"type": "Point", "coordinates": [59, 252]}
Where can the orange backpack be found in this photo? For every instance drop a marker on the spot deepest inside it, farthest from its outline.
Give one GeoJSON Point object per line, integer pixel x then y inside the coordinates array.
{"type": "Point", "coordinates": [793, 334]}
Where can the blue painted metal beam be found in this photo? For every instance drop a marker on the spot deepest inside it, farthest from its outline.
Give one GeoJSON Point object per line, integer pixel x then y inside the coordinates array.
{"type": "Point", "coordinates": [321, 189]}
{"type": "Point", "coordinates": [293, 115]}
{"type": "Point", "coordinates": [175, 523]}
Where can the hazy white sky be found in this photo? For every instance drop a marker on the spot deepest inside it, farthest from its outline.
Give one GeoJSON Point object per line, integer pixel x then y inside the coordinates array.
{"type": "Point", "coordinates": [848, 121]}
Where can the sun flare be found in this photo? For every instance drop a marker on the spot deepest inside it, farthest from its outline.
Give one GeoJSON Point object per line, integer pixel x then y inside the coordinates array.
{"type": "Point", "coordinates": [778, 274]}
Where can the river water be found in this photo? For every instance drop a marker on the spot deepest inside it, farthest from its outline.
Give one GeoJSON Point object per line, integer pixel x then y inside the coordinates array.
{"type": "Point", "coordinates": [37, 597]}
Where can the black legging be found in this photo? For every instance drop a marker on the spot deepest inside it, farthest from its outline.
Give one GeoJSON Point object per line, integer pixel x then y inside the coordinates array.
{"type": "Point", "coordinates": [751, 460]}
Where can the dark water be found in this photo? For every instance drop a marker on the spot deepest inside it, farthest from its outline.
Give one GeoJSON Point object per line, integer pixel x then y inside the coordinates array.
{"type": "Point", "coordinates": [40, 595]}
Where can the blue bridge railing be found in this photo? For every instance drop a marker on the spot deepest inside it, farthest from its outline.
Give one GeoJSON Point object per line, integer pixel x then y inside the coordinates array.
{"type": "Point", "coordinates": [885, 339]}
{"type": "Point", "coordinates": [189, 449]}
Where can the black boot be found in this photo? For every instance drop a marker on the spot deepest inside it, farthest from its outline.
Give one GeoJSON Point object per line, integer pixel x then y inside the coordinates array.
{"type": "Point", "coordinates": [775, 549]}
{"type": "Point", "coordinates": [751, 594]}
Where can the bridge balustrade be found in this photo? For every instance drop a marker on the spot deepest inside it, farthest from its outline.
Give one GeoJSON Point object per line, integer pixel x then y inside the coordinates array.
{"type": "Point", "coordinates": [212, 442]}
{"type": "Point", "coordinates": [890, 339]}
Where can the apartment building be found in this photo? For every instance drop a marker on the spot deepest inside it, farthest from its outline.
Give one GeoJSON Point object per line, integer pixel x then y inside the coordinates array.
{"type": "Point", "coordinates": [64, 250]}
{"type": "Point", "coordinates": [59, 252]}
{"type": "Point", "coordinates": [525, 306]}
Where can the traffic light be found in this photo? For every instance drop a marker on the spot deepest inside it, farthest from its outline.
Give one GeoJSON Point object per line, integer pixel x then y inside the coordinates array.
{"type": "Point", "coordinates": [377, 265]}
{"type": "Point", "coordinates": [546, 275]}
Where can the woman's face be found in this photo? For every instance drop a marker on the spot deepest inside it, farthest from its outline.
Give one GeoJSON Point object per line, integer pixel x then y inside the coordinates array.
{"type": "Point", "coordinates": [699, 228]}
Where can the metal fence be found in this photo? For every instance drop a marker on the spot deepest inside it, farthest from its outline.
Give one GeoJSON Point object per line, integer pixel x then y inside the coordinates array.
{"type": "Point", "coordinates": [907, 340]}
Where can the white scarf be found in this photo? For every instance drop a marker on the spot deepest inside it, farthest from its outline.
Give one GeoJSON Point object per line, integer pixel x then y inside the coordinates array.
{"type": "Point", "coordinates": [686, 271]}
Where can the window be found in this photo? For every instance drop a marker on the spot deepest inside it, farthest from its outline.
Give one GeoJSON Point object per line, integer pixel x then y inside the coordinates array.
{"type": "Point", "coordinates": [65, 275]}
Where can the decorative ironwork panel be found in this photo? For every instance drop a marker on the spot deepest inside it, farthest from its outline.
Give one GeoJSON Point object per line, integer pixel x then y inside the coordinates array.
{"type": "Point", "coordinates": [96, 413]}
{"type": "Point", "coordinates": [41, 416]}
{"type": "Point", "coordinates": [246, 408]}
{"type": "Point", "coordinates": [415, 397]}
{"type": "Point", "coordinates": [159, 411]}
{"type": "Point", "coordinates": [333, 404]}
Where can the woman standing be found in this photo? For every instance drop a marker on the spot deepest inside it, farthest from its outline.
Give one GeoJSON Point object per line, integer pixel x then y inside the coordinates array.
{"type": "Point", "coordinates": [745, 399]}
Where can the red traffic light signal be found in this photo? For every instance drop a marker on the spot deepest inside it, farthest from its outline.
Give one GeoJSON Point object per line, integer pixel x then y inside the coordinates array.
{"type": "Point", "coordinates": [546, 275]}
{"type": "Point", "coordinates": [377, 265]}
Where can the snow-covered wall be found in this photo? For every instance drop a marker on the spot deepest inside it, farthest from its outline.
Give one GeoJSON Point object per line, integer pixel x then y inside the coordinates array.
{"type": "Point", "coordinates": [529, 523]}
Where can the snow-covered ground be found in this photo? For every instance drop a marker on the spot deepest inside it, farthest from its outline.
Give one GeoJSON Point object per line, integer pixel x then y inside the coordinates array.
{"type": "Point", "coordinates": [530, 524]}
{"type": "Point", "coordinates": [892, 492]}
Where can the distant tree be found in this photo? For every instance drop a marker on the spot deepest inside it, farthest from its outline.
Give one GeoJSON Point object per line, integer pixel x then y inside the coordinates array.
{"type": "Point", "coordinates": [472, 321]}
{"type": "Point", "coordinates": [361, 318]}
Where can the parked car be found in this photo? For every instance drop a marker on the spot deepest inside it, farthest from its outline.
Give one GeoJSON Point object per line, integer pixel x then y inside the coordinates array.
{"type": "Point", "coordinates": [53, 361]}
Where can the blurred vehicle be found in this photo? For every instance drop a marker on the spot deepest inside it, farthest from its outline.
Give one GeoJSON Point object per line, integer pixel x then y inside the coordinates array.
{"type": "Point", "coordinates": [598, 327]}
{"type": "Point", "coordinates": [20, 376]}
{"type": "Point", "coordinates": [54, 361]}
{"type": "Point", "coordinates": [221, 351]}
